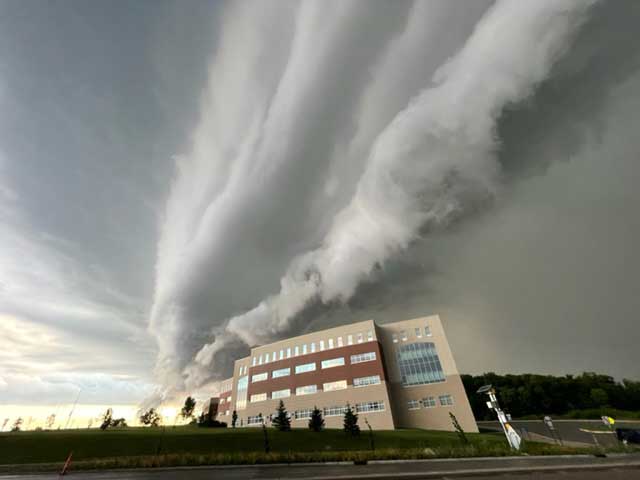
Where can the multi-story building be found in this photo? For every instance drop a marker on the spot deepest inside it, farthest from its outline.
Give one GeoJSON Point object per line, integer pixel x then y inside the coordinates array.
{"type": "Point", "coordinates": [396, 375]}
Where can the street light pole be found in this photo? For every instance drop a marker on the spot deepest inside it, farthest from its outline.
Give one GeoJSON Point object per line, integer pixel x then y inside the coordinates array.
{"type": "Point", "coordinates": [513, 438]}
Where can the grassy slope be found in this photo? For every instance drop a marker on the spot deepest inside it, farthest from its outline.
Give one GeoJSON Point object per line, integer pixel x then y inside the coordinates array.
{"type": "Point", "coordinates": [54, 446]}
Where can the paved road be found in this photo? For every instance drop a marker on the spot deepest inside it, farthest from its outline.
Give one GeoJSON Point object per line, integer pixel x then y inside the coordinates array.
{"type": "Point", "coordinates": [567, 429]}
{"type": "Point", "coordinates": [547, 468]}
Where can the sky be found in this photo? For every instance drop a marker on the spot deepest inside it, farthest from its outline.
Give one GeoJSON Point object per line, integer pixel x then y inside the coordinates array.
{"type": "Point", "coordinates": [180, 181]}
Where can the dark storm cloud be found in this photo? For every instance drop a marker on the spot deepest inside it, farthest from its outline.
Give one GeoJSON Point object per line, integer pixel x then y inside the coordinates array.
{"type": "Point", "coordinates": [236, 172]}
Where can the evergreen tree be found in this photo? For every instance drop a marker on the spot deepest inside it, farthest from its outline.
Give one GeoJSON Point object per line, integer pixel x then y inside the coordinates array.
{"type": "Point", "coordinates": [351, 422]}
{"type": "Point", "coordinates": [234, 419]}
{"type": "Point", "coordinates": [316, 422]}
{"type": "Point", "coordinates": [281, 420]}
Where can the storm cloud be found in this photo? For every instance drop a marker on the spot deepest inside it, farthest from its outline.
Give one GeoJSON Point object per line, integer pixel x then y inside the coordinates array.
{"type": "Point", "coordinates": [178, 184]}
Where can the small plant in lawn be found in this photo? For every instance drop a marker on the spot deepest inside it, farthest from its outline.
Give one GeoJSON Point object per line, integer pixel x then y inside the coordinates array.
{"type": "Point", "coordinates": [351, 422]}
{"type": "Point", "coordinates": [316, 422]}
{"type": "Point", "coordinates": [456, 425]}
{"type": "Point", "coordinates": [372, 444]}
{"type": "Point", "coordinates": [267, 448]}
{"type": "Point", "coordinates": [281, 421]}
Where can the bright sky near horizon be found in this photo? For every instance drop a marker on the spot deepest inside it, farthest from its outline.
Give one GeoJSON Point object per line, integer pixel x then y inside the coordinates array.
{"type": "Point", "coordinates": [180, 180]}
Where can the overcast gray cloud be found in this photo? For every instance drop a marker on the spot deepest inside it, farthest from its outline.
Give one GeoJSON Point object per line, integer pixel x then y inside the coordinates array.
{"type": "Point", "coordinates": [179, 181]}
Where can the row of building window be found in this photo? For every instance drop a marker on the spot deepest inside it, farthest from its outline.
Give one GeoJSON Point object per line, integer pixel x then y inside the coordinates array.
{"type": "Point", "coordinates": [305, 349]}
{"type": "Point", "coordinates": [311, 367]}
{"type": "Point", "coordinates": [404, 336]}
{"type": "Point", "coordinates": [333, 411]}
{"type": "Point", "coordinates": [310, 389]}
{"type": "Point", "coordinates": [430, 402]}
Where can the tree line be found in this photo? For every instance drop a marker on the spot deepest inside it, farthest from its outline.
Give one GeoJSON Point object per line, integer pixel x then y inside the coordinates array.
{"type": "Point", "coordinates": [532, 395]}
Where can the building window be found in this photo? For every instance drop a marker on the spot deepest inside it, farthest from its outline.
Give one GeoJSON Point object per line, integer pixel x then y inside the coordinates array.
{"type": "Point", "coordinates": [281, 354]}
{"type": "Point", "coordinates": [369, 407]}
{"type": "Point", "coordinates": [253, 362]}
{"type": "Point", "coordinates": [243, 385]}
{"type": "Point", "coordinates": [330, 343]}
{"type": "Point", "coordinates": [427, 331]}
{"type": "Point", "coordinates": [395, 338]}
{"type": "Point", "coordinates": [370, 335]}
{"type": "Point", "coordinates": [274, 356]}
{"type": "Point", "coordinates": [254, 420]}
{"type": "Point", "coordinates": [306, 390]}
{"type": "Point", "coordinates": [259, 377]}
{"type": "Point", "coordinates": [313, 347]}
{"type": "Point", "coordinates": [339, 385]}
{"type": "Point", "coordinates": [302, 414]}
{"type": "Point", "coordinates": [403, 335]}
{"type": "Point", "coordinates": [280, 394]}
{"type": "Point", "coordinates": [363, 357]}
{"type": "Point", "coordinates": [340, 344]}
{"type": "Point", "coordinates": [304, 349]}
{"type": "Point", "coordinates": [258, 397]}
{"type": "Point", "coordinates": [349, 339]}
{"type": "Point", "coordinates": [289, 352]}
{"type": "Point", "coordinates": [419, 364]}
{"type": "Point", "coordinates": [429, 402]}
{"type": "Point", "coordinates": [306, 367]}
{"type": "Point", "coordinates": [445, 400]}
{"type": "Point", "coordinates": [364, 381]}
{"type": "Point", "coordinates": [418, 332]}
{"type": "Point", "coordinates": [321, 345]}
{"type": "Point", "coordinates": [266, 358]}
{"type": "Point", "coordinates": [260, 360]}
{"type": "Point", "coordinates": [334, 411]}
{"type": "Point", "coordinates": [360, 338]}
{"type": "Point", "coordinates": [413, 405]}
{"type": "Point", "coordinates": [282, 372]}
{"type": "Point", "coordinates": [296, 351]}
{"type": "Point", "coordinates": [333, 362]}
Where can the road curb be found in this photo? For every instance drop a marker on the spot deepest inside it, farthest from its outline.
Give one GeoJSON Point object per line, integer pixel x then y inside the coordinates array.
{"type": "Point", "coordinates": [477, 472]}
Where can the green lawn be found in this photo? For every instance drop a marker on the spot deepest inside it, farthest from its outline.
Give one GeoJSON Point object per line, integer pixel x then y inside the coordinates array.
{"type": "Point", "coordinates": [54, 446]}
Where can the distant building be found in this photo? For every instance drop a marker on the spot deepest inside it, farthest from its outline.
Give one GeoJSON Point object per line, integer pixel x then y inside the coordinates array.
{"type": "Point", "coordinates": [396, 375]}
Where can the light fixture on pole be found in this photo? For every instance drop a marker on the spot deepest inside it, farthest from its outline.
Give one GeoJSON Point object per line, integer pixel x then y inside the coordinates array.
{"type": "Point", "coordinates": [512, 436]}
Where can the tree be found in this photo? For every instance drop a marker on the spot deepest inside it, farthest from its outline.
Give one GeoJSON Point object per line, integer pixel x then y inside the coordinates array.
{"type": "Point", "coordinates": [599, 397]}
{"type": "Point", "coordinates": [351, 422]}
{"type": "Point", "coordinates": [316, 422]}
{"type": "Point", "coordinates": [106, 419]}
{"type": "Point", "coordinates": [234, 419]}
{"type": "Point", "coordinates": [16, 425]}
{"type": "Point", "coordinates": [281, 420]}
{"type": "Point", "coordinates": [188, 408]}
{"type": "Point", "coordinates": [119, 423]}
{"type": "Point", "coordinates": [50, 421]}
{"type": "Point", "coordinates": [150, 417]}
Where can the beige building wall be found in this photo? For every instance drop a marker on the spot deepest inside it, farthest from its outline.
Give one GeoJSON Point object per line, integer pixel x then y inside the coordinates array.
{"type": "Point", "coordinates": [345, 341]}
{"type": "Point", "coordinates": [395, 335]}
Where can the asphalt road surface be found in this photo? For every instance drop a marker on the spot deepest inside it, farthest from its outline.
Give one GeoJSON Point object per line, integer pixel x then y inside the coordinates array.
{"type": "Point", "coordinates": [523, 468]}
{"type": "Point", "coordinates": [568, 430]}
